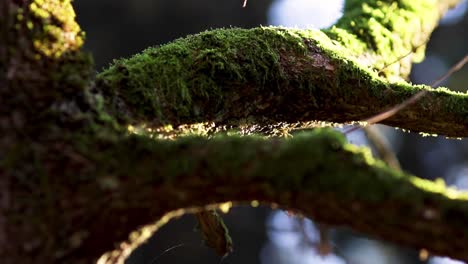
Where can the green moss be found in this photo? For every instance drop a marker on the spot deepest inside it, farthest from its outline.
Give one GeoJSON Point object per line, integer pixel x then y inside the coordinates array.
{"type": "Point", "coordinates": [319, 162]}
{"type": "Point", "coordinates": [388, 29]}
{"type": "Point", "coordinates": [198, 66]}
{"type": "Point", "coordinates": [191, 80]}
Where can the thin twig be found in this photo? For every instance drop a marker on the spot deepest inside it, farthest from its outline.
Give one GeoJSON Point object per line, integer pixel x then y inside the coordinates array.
{"type": "Point", "coordinates": [383, 147]}
{"type": "Point", "coordinates": [413, 99]}
{"type": "Point", "coordinates": [404, 56]}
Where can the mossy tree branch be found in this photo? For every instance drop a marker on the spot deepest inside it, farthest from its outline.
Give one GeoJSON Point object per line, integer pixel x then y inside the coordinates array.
{"type": "Point", "coordinates": [69, 163]}
{"type": "Point", "coordinates": [237, 78]}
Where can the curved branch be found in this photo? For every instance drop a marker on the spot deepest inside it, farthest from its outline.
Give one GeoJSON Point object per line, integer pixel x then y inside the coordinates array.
{"type": "Point", "coordinates": [237, 77]}
{"type": "Point", "coordinates": [135, 180]}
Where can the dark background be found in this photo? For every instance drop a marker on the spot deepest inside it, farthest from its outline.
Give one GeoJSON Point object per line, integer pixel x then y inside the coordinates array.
{"type": "Point", "coordinates": [117, 28]}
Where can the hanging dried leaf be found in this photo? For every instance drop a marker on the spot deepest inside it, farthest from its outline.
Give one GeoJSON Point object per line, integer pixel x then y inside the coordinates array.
{"type": "Point", "coordinates": [215, 232]}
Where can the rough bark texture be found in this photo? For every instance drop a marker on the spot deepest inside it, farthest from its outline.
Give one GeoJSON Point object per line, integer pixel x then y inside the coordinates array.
{"type": "Point", "coordinates": [85, 162]}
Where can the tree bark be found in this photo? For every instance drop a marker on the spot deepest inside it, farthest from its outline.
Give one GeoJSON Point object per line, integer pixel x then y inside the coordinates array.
{"type": "Point", "coordinates": [85, 161]}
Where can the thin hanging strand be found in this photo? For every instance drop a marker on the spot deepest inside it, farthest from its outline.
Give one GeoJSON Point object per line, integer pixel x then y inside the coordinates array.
{"type": "Point", "coordinates": [154, 260]}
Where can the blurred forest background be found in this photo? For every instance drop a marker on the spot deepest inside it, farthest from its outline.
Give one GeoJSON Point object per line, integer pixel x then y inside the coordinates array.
{"type": "Point", "coordinates": [119, 28]}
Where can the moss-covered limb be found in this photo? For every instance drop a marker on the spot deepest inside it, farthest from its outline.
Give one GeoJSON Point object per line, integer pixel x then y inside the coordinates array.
{"type": "Point", "coordinates": [381, 31]}
{"type": "Point", "coordinates": [237, 77]}
{"type": "Point", "coordinates": [108, 187]}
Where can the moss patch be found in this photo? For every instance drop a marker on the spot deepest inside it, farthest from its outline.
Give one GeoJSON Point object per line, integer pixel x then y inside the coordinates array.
{"type": "Point", "coordinates": [388, 30]}
{"type": "Point", "coordinates": [320, 161]}
{"type": "Point", "coordinates": [194, 69]}
{"type": "Point", "coordinates": [210, 77]}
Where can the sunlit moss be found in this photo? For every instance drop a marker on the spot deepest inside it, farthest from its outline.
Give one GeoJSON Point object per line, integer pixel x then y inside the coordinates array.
{"type": "Point", "coordinates": [190, 80]}
{"type": "Point", "coordinates": [388, 29]}
{"type": "Point", "coordinates": [173, 74]}
{"type": "Point", "coordinates": [320, 162]}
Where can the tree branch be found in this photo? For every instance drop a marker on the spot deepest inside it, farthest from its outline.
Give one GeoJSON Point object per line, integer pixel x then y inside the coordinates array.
{"type": "Point", "coordinates": [264, 76]}
{"type": "Point", "coordinates": [135, 180]}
